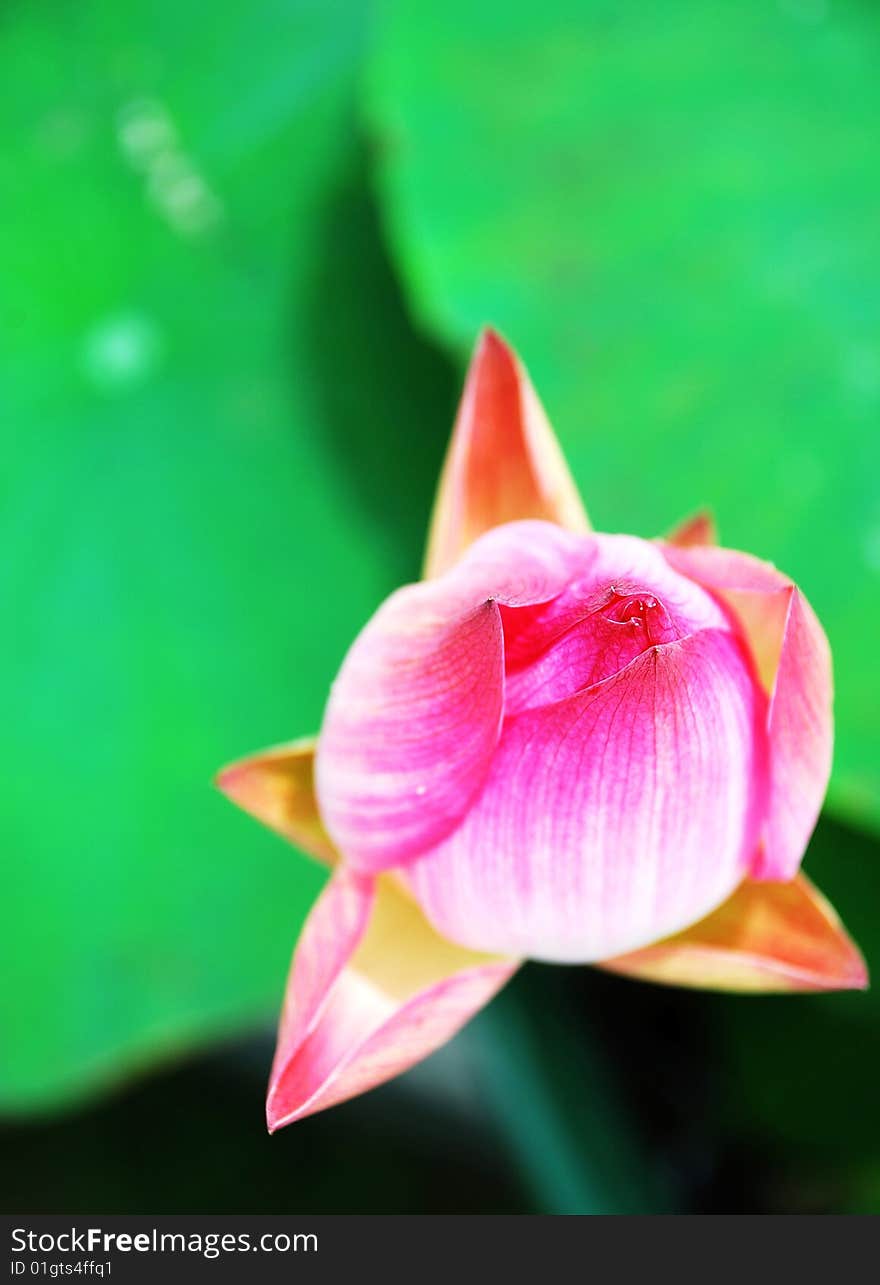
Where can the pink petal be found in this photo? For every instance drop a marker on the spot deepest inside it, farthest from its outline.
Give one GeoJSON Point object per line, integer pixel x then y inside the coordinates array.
{"type": "Point", "coordinates": [700, 529]}
{"type": "Point", "coordinates": [414, 716]}
{"type": "Point", "coordinates": [372, 991]}
{"type": "Point", "coordinates": [767, 937]}
{"type": "Point", "coordinates": [504, 462]}
{"type": "Point", "coordinates": [793, 660]}
{"type": "Point", "coordinates": [277, 787]}
{"type": "Point", "coordinates": [611, 818]}
{"type": "Point", "coordinates": [586, 633]}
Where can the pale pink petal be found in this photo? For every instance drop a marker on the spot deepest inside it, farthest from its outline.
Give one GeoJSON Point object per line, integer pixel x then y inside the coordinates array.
{"type": "Point", "coordinates": [522, 563]}
{"type": "Point", "coordinates": [700, 529]}
{"type": "Point", "coordinates": [372, 990]}
{"type": "Point", "coordinates": [503, 463]}
{"type": "Point", "coordinates": [415, 714]}
{"type": "Point", "coordinates": [766, 937]}
{"type": "Point", "coordinates": [793, 661]}
{"type": "Point", "coordinates": [277, 787]}
{"type": "Point", "coordinates": [611, 818]}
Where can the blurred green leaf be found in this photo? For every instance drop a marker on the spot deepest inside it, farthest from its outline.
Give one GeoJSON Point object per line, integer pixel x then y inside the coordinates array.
{"type": "Point", "coordinates": [672, 210]}
{"type": "Point", "coordinates": [210, 374]}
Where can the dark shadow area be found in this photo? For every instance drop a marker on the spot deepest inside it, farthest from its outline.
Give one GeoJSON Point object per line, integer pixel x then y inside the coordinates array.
{"type": "Point", "coordinates": [192, 1139]}
{"type": "Point", "coordinates": [386, 395]}
{"type": "Point", "coordinates": [661, 1045]}
{"type": "Point", "coordinates": [629, 1068]}
{"type": "Point", "coordinates": [747, 1102]}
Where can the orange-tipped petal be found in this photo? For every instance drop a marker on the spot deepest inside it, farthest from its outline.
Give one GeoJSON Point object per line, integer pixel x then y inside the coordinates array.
{"type": "Point", "coordinates": [767, 937]}
{"type": "Point", "coordinates": [504, 462]}
{"type": "Point", "coordinates": [277, 787]}
{"type": "Point", "coordinates": [372, 990]}
{"type": "Point", "coordinates": [700, 529]}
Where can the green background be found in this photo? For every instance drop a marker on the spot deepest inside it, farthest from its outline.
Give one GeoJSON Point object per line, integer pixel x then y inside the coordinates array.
{"type": "Point", "coordinates": [245, 255]}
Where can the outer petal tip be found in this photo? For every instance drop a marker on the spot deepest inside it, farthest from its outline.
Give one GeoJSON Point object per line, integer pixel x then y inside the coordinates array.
{"type": "Point", "coordinates": [372, 990]}
{"type": "Point", "coordinates": [694, 531]}
{"type": "Point", "coordinates": [491, 340]}
{"type": "Point", "coordinates": [276, 786]}
{"type": "Point", "coordinates": [503, 464]}
{"type": "Point", "coordinates": [767, 938]}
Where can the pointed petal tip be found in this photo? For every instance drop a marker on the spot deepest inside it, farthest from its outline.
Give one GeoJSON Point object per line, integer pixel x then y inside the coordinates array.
{"type": "Point", "coordinates": [697, 530]}
{"type": "Point", "coordinates": [503, 463]}
{"type": "Point", "coordinates": [275, 1119]}
{"type": "Point", "coordinates": [372, 990]}
{"type": "Point", "coordinates": [858, 978]}
{"type": "Point", "coordinates": [227, 779]}
{"type": "Point", "coordinates": [851, 973]}
{"type": "Point", "coordinates": [494, 364]}
{"type": "Point", "coordinates": [276, 786]}
{"type": "Point", "coordinates": [781, 937]}
{"type": "Point", "coordinates": [236, 778]}
{"type": "Point", "coordinates": [492, 343]}
{"type": "Point", "coordinates": [232, 781]}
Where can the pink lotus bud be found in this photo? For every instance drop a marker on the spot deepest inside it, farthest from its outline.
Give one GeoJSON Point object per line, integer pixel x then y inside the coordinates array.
{"type": "Point", "coordinates": [566, 746]}
{"type": "Point", "coordinates": [562, 741]}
